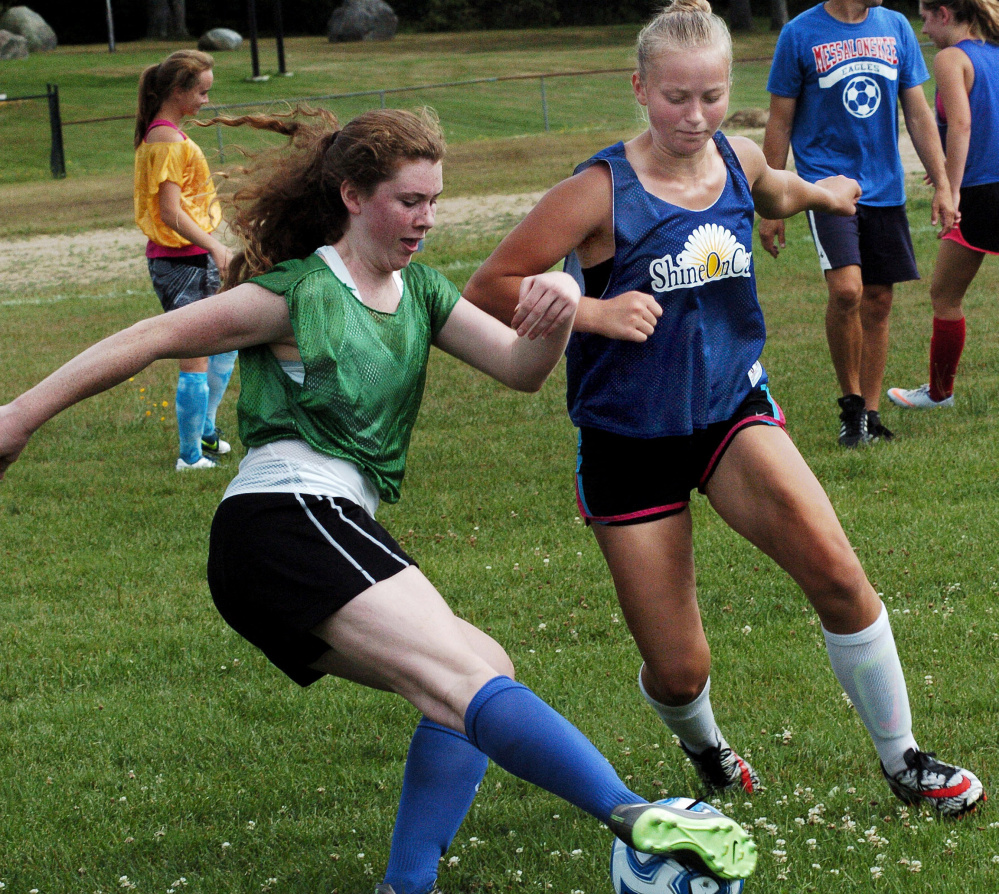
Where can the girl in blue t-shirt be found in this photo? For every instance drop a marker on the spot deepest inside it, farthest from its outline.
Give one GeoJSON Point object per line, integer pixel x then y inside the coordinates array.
{"type": "Point", "coordinates": [656, 230]}
{"type": "Point", "coordinates": [967, 76]}
{"type": "Point", "coordinates": [297, 563]}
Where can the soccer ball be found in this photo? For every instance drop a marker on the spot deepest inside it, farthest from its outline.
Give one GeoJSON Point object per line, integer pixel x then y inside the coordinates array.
{"type": "Point", "coordinates": [676, 873]}
{"type": "Point", "coordinates": [862, 96]}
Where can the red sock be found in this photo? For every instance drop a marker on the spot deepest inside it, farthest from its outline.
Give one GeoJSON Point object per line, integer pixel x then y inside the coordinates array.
{"type": "Point", "coordinates": [946, 346]}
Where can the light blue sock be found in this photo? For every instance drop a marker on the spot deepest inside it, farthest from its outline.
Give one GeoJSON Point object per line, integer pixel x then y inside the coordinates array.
{"type": "Point", "coordinates": [220, 368]}
{"type": "Point", "coordinates": [443, 772]}
{"type": "Point", "coordinates": [192, 401]}
{"type": "Point", "coordinates": [530, 739]}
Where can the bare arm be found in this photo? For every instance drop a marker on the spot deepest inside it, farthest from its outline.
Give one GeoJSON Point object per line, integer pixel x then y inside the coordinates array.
{"type": "Point", "coordinates": [246, 315]}
{"type": "Point", "coordinates": [955, 76]}
{"type": "Point", "coordinates": [923, 131]}
{"type": "Point", "coordinates": [779, 194]}
{"type": "Point", "coordinates": [575, 215]}
{"type": "Point", "coordinates": [776, 146]}
{"type": "Point", "coordinates": [521, 359]}
{"type": "Point", "coordinates": [175, 217]}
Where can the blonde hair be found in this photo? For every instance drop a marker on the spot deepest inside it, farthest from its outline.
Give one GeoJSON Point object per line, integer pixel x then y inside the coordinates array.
{"type": "Point", "coordinates": [682, 25]}
{"type": "Point", "coordinates": [179, 71]}
{"type": "Point", "coordinates": [982, 16]}
{"type": "Point", "coordinates": [290, 202]}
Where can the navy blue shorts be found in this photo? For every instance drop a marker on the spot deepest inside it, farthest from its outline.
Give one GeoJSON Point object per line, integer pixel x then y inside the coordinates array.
{"type": "Point", "coordinates": [625, 481]}
{"type": "Point", "coordinates": [875, 239]}
{"type": "Point", "coordinates": [279, 564]}
{"type": "Point", "coordinates": [182, 281]}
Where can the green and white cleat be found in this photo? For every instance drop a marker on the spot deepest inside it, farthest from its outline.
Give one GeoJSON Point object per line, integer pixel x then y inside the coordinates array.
{"type": "Point", "coordinates": [724, 847]}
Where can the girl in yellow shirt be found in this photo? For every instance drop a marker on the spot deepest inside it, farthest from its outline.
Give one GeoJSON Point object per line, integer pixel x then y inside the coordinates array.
{"type": "Point", "coordinates": [177, 208]}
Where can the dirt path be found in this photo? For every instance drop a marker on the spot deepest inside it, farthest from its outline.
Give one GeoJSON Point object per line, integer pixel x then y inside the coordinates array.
{"type": "Point", "coordinates": [107, 256]}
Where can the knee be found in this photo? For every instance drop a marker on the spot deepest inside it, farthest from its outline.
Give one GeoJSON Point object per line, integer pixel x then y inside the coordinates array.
{"type": "Point", "coordinates": [677, 685]}
{"type": "Point", "coordinates": [844, 298]}
{"type": "Point", "coordinates": [877, 303]}
{"type": "Point", "coordinates": [840, 591]}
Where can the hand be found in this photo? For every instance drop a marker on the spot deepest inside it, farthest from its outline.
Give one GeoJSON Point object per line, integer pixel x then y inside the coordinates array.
{"type": "Point", "coordinates": [772, 236]}
{"type": "Point", "coordinates": [222, 257]}
{"type": "Point", "coordinates": [843, 193]}
{"type": "Point", "coordinates": [12, 439]}
{"type": "Point", "coordinates": [944, 210]}
{"type": "Point", "coordinates": [547, 302]}
{"type": "Point", "coordinates": [630, 316]}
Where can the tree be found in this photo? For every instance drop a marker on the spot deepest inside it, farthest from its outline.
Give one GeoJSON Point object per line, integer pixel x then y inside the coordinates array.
{"type": "Point", "coordinates": [166, 19]}
{"type": "Point", "coordinates": [778, 14]}
{"type": "Point", "coordinates": [740, 15]}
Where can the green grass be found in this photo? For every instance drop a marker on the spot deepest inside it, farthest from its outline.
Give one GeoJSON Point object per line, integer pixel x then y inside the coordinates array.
{"type": "Point", "coordinates": [141, 738]}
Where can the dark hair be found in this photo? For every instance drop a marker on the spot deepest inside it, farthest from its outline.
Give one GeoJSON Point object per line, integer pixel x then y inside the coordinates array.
{"type": "Point", "coordinates": [981, 15]}
{"type": "Point", "coordinates": [179, 71]}
{"type": "Point", "coordinates": [289, 203]}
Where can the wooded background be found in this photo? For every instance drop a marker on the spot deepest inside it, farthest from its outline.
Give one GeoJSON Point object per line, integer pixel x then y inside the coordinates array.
{"type": "Point", "coordinates": [170, 19]}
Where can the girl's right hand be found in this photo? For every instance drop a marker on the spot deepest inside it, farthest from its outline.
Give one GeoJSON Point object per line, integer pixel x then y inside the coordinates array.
{"type": "Point", "coordinates": [222, 257]}
{"type": "Point", "coordinates": [630, 316]}
{"type": "Point", "coordinates": [843, 192]}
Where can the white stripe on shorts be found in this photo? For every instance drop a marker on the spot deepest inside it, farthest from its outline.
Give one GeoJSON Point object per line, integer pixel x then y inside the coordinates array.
{"type": "Point", "coordinates": [366, 535]}
{"type": "Point", "coordinates": [823, 257]}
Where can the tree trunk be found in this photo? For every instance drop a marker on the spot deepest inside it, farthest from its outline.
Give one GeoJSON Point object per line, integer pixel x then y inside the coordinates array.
{"type": "Point", "coordinates": [166, 19]}
{"type": "Point", "coordinates": [740, 15]}
{"type": "Point", "coordinates": [778, 14]}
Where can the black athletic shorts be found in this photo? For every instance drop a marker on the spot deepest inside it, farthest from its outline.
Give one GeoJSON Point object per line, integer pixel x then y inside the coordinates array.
{"type": "Point", "coordinates": [625, 481]}
{"type": "Point", "coordinates": [875, 238]}
{"type": "Point", "coordinates": [279, 564]}
{"type": "Point", "coordinates": [979, 228]}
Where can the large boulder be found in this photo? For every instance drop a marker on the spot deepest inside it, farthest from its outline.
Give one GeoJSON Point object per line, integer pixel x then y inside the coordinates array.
{"type": "Point", "coordinates": [31, 26]}
{"type": "Point", "coordinates": [220, 39]}
{"type": "Point", "coordinates": [13, 46]}
{"type": "Point", "coordinates": [362, 20]}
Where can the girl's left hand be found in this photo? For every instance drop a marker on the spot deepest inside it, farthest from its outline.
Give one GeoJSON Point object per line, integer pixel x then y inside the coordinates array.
{"type": "Point", "coordinates": [547, 302]}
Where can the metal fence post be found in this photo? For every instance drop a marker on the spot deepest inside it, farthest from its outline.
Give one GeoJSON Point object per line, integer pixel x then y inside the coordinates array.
{"type": "Point", "coordinates": [57, 161]}
{"type": "Point", "coordinates": [544, 103]}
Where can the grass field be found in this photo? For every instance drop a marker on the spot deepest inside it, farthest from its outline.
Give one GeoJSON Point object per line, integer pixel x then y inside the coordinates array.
{"type": "Point", "coordinates": [144, 746]}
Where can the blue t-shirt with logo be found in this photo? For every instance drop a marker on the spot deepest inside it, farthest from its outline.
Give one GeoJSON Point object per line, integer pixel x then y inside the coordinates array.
{"type": "Point", "coordinates": [846, 79]}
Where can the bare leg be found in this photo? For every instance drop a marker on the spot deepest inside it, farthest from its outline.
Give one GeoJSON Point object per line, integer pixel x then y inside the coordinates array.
{"type": "Point", "coordinates": [844, 331]}
{"type": "Point", "coordinates": [875, 307]}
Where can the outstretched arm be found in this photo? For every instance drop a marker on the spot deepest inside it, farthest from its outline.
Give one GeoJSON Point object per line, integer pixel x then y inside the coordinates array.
{"type": "Point", "coordinates": [521, 357]}
{"type": "Point", "coordinates": [247, 315]}
{"type": "Point", "coordinates": [926, 140]}
{"type": "Point", "coordinates": [575, 215]}
{"type": "Point", "coordinates": [780, 194]}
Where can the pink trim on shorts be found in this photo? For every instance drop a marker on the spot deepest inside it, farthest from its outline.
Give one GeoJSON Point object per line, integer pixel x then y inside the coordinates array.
{"type": "Point", "coordinates": [155, 250]}
{"type": "Point", "coordinates": [669, 509]}
{"type": "Point", "coordinates": [779, 421]}
{"type": "Point", "coordinates": [954, 235]}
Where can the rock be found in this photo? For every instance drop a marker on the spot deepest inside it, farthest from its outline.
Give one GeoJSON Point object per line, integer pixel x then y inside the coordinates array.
{"type": "Point", "coordinates": [362, 20]}
{"type": "Point", "coordinates": [220, 39]}
{"type": "Point", "coordinates": [13, 46]}
{"type": "Point", "coordinates": [30, 25]}
{"type": "Point", "coordinates": [748, 118]}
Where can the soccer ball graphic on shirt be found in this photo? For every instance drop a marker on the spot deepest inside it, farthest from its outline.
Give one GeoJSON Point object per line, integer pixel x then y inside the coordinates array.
{"type": "Point", "coordinates": [676, 873]}
{"type": "Point", "coordinates": [862, 96]}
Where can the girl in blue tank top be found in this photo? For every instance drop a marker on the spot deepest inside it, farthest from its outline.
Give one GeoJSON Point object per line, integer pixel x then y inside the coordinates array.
{"type": "Point", "coordinates": [668, 393]}
{"type": "Point", "coordinates": [967, 75]}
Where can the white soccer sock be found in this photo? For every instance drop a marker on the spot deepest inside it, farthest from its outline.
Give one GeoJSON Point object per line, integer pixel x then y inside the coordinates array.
{"type": "Point", "coordinates": [867, 667]}
{"type": "Point", "coordinates": [694, 722]}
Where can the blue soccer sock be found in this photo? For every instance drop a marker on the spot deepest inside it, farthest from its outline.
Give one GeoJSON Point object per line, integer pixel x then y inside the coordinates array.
{"type": "Point", "coordinates": [220, 368]}
{"type": "Point", "coordinates": [530, 739]}
{"type": "Point", "coordinates": [443, 772]}
{"type": "Point", "coordinates": [192, 401]}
